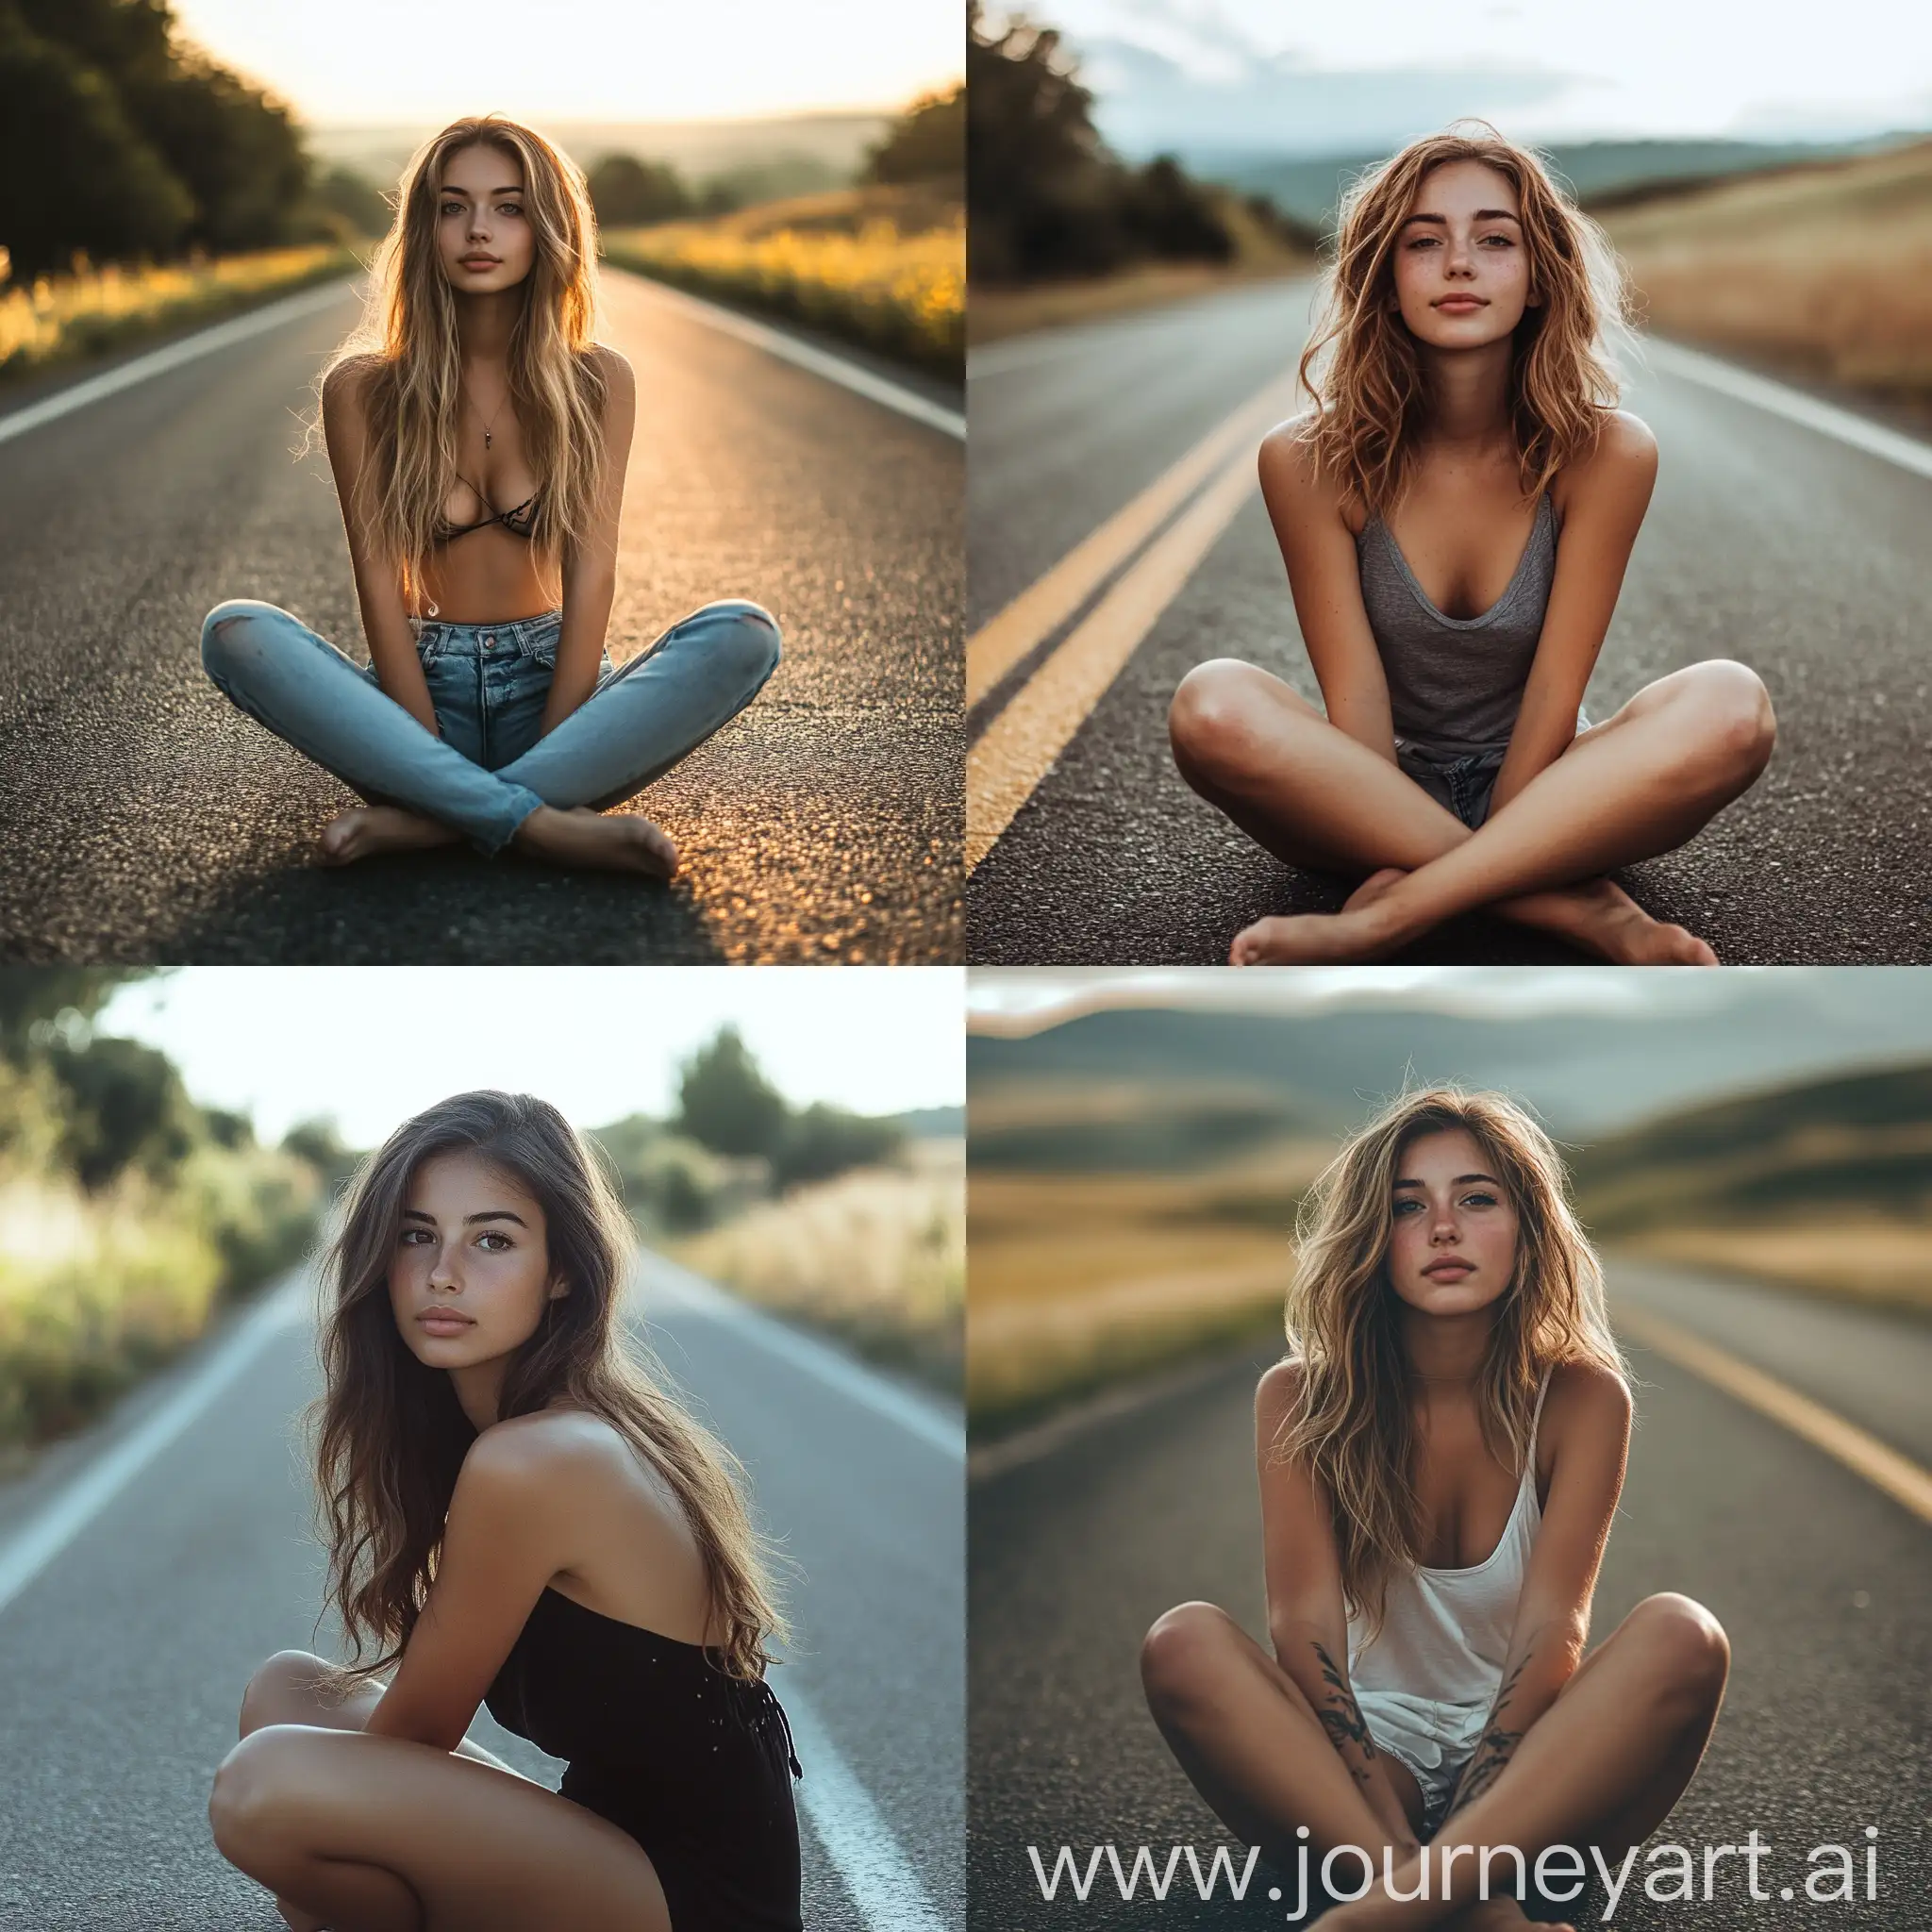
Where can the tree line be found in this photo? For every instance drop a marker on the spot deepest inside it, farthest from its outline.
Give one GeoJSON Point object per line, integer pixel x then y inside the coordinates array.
{"type": "Point", "coordinates": [1047, 197]}
{"type": "Point", "coordinates": [122, 140]}
{"type": "Point", "coordinates": [925, 142]}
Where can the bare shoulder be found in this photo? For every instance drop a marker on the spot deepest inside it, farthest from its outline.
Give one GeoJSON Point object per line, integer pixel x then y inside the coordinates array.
{"type": "Point", "coordinates": [1622, 467]}
{"type": "Point", "coordinates": [1286, 459]}
{"type": "Point", "coordinates": [1279, 1395]}
{"type": "Point", "coordinates": [613, 366]}
{"type": "Point", "coordinates": [1587, 1403]}
{"type": "Point", "coordinates": [579, 1467]}
{"type": "Point", "coordinates": [345, 385]}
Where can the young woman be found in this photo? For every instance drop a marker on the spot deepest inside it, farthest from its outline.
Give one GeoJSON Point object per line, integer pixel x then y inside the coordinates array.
{"type": "Point", "coordinates": [1455, 513]}
{"type": "Point", "coordinates": [1441, 1455]}
{"type": "Point", "coordinates": [479, 434]}
{"type": "Point", "coordinates": [515, 1516]}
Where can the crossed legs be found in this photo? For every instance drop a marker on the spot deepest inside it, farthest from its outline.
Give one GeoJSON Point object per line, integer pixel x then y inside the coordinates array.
{"type": "Point", "coordinates": [1640, 783]}
{"type": "Point", "coordinates": [1603, 1766]}
{"type": "Point", "coordinates": [361, 1834]}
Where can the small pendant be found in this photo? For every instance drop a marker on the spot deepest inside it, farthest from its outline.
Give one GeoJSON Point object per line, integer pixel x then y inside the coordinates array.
{"type": "Point", "coordinates": [486, 438]}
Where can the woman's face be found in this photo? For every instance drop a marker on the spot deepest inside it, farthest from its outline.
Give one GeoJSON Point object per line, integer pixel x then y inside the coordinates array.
{"type": "Point", "coordinates": [1451, 1248]}
{"type": "Point", "coordinates": [1461, 264]}
{"type": "Point", "coordinates": [471, 1277]}
{"type": "Point", "coordinates": [483, 235]}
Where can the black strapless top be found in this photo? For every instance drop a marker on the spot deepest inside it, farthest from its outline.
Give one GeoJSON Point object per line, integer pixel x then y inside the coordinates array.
{"type": "Point", "coordinates": [518, 521]}
{"type": "Point", "coordinates": [695, 1765]}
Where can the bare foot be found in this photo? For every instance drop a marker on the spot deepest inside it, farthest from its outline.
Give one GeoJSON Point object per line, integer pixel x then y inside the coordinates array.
{"type": "Point", "coordinates": [620, 841]}
{"type": "Point", "coordinates": [1497, 1915]}
{"type": "Point", "coordinates": [1373, 887]}
{"type": "Point", "coordinates": [372, 828]}
{"type": "Point", "coordinates": [1312, 938]}
{"type": "Point", "coordinates": [1609, 921]}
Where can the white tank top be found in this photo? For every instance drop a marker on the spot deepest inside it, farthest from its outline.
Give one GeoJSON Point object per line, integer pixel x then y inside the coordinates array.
{"type": "Point", "coordinates": [1445, 1633]}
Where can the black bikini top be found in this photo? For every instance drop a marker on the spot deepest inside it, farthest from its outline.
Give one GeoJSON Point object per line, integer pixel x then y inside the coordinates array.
{"type": "Point", "coordinates": [518, 521]}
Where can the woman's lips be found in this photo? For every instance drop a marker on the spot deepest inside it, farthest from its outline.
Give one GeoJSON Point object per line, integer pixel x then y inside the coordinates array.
{"type": "Point", "coordinates": [444, 1322]}
{"type": "Point", "coordinates": [1461, 305]}
{"type": "Point", "coordinates": [1441, 1270]}
{"type": "Point", "coordinates": [480, 261]}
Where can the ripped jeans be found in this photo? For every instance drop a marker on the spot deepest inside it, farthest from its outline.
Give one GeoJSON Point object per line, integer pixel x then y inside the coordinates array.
{"type": "Point", "coordinates": [486, 770]}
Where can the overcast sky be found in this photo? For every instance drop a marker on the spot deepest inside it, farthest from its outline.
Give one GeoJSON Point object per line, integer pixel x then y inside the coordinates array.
{"type": "Point", "coordinates": [372, 1045]}
{"type": "Point", "coordinates": [1555, 68]}
{"type": "Point", "coordinates": [423, 60]}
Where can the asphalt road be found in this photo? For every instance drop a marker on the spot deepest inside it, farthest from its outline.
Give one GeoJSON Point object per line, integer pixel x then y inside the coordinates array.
{"type": "Point", "coordinates": [1820, 1580]}
{"type": "Point", "coordinates": [123, 1662]}
{"type": "Point", "coordinates": [150, 821]}
{"type": "Point", "coordinates": [1765, 541]}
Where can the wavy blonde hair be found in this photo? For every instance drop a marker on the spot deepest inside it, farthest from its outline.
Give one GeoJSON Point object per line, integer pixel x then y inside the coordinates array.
{"type": "Point", "coordinates": [1353, 1426]}
{"type": "Point", "coordinates": [406, 346]}
{"type": "Point", "coordinates": [391, 1436]}
{"type": "Point", "coordinates": [1362, 367]}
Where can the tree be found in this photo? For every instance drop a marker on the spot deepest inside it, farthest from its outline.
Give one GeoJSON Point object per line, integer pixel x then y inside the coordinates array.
{"type": "Point", "coordinates": [630, 194]}
{"type": "Point", "coordinates": [727, 1103]}
{"type": "Point", "coordinates": [124, 1106]}
{"type": "Point", "coordinates": [927, 142]}
{"type": "Point", "coordinates": [827, 1141]}
{"type": "Point", "coordinates": [354, 204]}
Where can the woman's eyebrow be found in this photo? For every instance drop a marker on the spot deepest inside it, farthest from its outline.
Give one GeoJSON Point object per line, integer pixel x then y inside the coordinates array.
{"type": "Point", "coordinates": [1462, 1180]}
{"type": "Point", "coordinates": [515, 188]}
{"type": "Point", "coordinates": [1482, 214]}
{"type": "Point", "coordinates": [469, 1220]}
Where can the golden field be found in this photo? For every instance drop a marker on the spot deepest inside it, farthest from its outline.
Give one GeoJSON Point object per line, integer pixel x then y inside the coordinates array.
{"type": "Point", "coordinates": [878, 1257]}
{"type": "Point", "coordinates": [882, 266]}
{"type": "Point", "coordinates": [62, 317]}
{"type": "Point", "coordinates": [1079, 1278]}
{"type": "Point", "coordinates": [1825, 270]}
{"type": "Point", "coordinates": [1846, 1254]}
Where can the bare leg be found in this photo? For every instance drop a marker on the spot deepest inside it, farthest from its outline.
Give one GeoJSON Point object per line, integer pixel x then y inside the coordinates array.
{"type": "Point", "coordinates": [367, 1834]}
{"type": "Point", "coordinates": [1640, 784]}
{"type": "Point", "coordinates": [1250, 1744]}
{"type": "Point", "coordinates": [1603, 1766]}
{"type": "Point", "coordinates": [364, 830]}
{"type": "Point", "coordinates": [1315, 797]}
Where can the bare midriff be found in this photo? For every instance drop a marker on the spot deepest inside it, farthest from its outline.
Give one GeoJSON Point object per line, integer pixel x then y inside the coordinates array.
{"type": "Point", "coordinates": [489, 576]}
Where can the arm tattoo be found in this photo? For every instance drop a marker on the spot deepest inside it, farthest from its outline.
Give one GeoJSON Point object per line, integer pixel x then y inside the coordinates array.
{"type": "Point", "coordinates": [1340, 1716]}
{"type": "Point", "coordinates": [1492, 1751]}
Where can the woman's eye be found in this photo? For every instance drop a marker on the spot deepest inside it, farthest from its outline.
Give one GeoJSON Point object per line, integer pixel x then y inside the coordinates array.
{"type": "Point", "coordinates": [414, 1237]}
{"type": "Point", "coordinates": [509, 207]}
{"type": "Point", "coordinates": [1403, 1207]}
{"type": "Point", "coordinates": [483, 1242]}
{"type": "Point", "coordinates": [1478, 1200]}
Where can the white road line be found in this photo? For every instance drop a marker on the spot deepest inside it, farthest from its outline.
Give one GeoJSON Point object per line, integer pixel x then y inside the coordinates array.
{"type": "Point", "coordinates": [670, 1286]}
{"type": "Point", "coordinates": [47, 1532]}
{"type": "Point", "coordinates": [1794, 406]}
{"type": "Point", "coordinates": [202, 342]}
{"type": "Point", "coordinates": [876, 1873]}
{"type": "Point", "coordinates": [789, 349]}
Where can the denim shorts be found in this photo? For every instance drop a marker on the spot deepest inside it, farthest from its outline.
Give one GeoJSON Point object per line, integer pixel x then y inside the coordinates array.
{"type": "Point", "coordinates": [490, 683]}
{"type": "Point", "coordinates": [1435, 1741]}
{"type": "Point", "coordinates": [1460, 785]}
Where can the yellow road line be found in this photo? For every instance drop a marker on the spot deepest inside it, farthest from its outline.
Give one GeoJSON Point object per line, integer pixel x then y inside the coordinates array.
{"type": "Point", "coordinates": [999, 643]}
{"type": "Point", "coordinates": [1864, 1455]}
{"type": "Point", "coordinates": [1017, 748]}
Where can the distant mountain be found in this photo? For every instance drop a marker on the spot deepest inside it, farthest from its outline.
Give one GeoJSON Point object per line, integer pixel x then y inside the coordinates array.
{"type": "Point", "coordinates": [1598, 172]}
{"type": "Point", "coordinates": [931, 1123]}
{"type": "Point", "coordinates": [1586, 1073]}
{"type": "Point", "coordinates": [1861, 1142]}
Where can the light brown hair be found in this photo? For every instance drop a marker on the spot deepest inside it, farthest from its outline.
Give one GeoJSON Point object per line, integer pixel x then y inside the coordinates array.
{"type": "Point", "coordinates": [391, 1435]}
{"type": "Point", "coordinates": [1353, 1425]}
{"type": "Point", "coordinates": [406, 351]}
{"type": "Point", "coordinates": [1362, 366]}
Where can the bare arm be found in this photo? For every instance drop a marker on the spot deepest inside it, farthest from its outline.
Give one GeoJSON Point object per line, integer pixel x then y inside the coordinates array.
{"type": "Point", "coordinates": [1308, 1621]}
{"type": "Point", "coordinates": [1318, 547]}
{"type": "Point", "coordinates": [1603, 502]}
{"type": "Point", "coordinates": [590, 570]}
{"type": "Point", "coordinates": [378, 585]}
{"type": "Point", "coordinates": [1588, 1411]}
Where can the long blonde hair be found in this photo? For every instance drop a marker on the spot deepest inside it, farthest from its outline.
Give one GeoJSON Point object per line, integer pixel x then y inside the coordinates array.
{"type": "Point", "coordinates": [1361, 364]}
{"type": "Point", "coordinates": [391, 1435]}
{"type": "Point", "coordinates": [1353, 1426]}
{"type": "Point", "coordinates": [406, 344]}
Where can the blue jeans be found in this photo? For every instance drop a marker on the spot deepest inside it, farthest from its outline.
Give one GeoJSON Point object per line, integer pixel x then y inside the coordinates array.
{"type": "Point", "coordinates": [488, 771]}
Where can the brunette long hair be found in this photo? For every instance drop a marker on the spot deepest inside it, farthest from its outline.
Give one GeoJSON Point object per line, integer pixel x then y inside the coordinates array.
{"type": "Point", "coordinates": [1361, 364]}
{"type": "Point", "coordinates": [1353, 1423]}
{"type": "Point", "coordinates": [391, 1435]}
{"type": "Point", "coordinates": [408, 348]}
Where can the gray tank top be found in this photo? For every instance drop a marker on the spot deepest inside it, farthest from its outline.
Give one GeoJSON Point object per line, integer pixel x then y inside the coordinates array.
{"type": "Point", "coordinates": [1455, 683]}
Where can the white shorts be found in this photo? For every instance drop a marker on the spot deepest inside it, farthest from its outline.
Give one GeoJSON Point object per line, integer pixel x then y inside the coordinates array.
{"type": "Point", "coordinates": [1435, 1741]}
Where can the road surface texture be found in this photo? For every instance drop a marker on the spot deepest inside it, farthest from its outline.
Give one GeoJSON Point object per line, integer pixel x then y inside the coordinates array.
{"type": "Point", "coordinates": [1766, 541]}
{"type": "Point", "coordinates": [148, 820]}
{"type": "Point", "coordinates": [122, 1660]}
{"type": "Point", "coordinates": [1820, 1580]}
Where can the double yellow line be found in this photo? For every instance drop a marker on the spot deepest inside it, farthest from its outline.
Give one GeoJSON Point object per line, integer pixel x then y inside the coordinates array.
{"type": "Point", "coordinates": [1015, 752]}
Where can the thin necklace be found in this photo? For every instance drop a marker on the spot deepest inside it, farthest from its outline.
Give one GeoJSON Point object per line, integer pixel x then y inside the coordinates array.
{"type": "Point", "coordinates": [493, 415]}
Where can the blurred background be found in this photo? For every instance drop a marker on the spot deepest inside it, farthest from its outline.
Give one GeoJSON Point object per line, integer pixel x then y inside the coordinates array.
{"type": "Point", "coordinates": [1769, 182]}
{"type": "Point", "coordinates": [1753, 1152]}
{"type": "Point", "coordinates": [170, 158]}
{"type": "Point", "coordinates": [1140, 1143]}
{"type": "Point", "coordinates": [170, 1143]}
